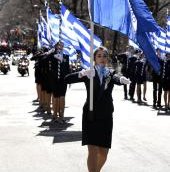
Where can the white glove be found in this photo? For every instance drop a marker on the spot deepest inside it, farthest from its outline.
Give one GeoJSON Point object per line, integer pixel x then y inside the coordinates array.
{"type": "Point", "coordinates": [90, 73]}
{"type": "Point", "coordinates": [124, 80]}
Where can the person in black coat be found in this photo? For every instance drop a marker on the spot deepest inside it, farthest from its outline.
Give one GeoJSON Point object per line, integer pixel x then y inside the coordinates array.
{"type": "Point", "coordinates": [140, 75]}
{"type": "Point", "coordinates": [58, 68]}
{"type": "Point", "coordinates": [165, 74]}
{"type": "Point", "coordinates": [157, 84]}
{"type": "Point", "coordinates": [97, 125]}
{"type": "Point", "coordinates": [123, 58]}
{"type": "Point", "coordinates": [131, 73]}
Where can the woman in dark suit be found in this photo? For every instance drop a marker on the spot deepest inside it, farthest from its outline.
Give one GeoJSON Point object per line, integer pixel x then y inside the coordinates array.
{"type": "Point", "coordinates": [97, 126]}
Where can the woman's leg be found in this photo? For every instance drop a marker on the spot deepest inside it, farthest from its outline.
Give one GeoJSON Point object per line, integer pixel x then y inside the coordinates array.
{"type": "Point", "coordinates": [92, 158]}
{"type": "Point", "coordinates": [49, 103]}
{"type": "Point", "coordinates": [96, 158]}
{"type": "Point", "coordinates": [165, 99]}
{"type": "Point", "coordinates": [138, 91]}
{"type": "Point", "coordinates": [55, 107]}
{"type": "Point", "coordinates": [168, 99]}
{"type": "Point", "coordinates": [102, 156]}
{"type": "Point", "coordinates": [62, 105]}
{"type": "Point", "coordinates": [144, 90]}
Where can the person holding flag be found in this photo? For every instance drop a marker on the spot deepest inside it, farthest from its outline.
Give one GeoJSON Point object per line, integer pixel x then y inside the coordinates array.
{"type": "Point", "coordinates": [97, 124]}
{"type": "Point", "coordinates": [58, 63]}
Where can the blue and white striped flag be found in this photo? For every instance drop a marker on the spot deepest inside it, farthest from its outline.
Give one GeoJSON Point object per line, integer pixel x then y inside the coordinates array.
{"type": "Point", "coordinates": [168, 35]}
{"type": "Point", "coordinates": [159, 39]}
{"type": "Point", "coordinates": [45, 33]}
{"type": "Point", "coordinates": [74, 34]}
{"type": "Point", "coordinates": [67, 34]}
{"type": "Point", "coordinates": [39, 45]}
{"type": "Point", "coordinates": [53, 20]}
{"type": "Point", "coordinates": [162, 40]}
{"type": "Point", "coordinates": [80, 34]}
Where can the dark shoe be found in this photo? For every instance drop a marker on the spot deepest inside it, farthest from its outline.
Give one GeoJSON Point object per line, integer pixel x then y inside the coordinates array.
{"type": "Point", "coordinates": [125, 97]}
{"type": "Point", "coordinates": [166, 108]}
{"type": "Point", "coordinates": [144, 99]}
{"type": "Point", "coordinates": [132, 99]}
{"type": "Point", "coordinates": [36, 100]}
{"type": "Point", "coordinates": [139, 101]}
{"type": "Point", "coordinates": [154, 106]}
{"type": "Point", "coordinates": [159, 106]}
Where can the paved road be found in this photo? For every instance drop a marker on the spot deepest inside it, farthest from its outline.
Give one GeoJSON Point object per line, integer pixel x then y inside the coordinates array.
{"type": "Point", "coordinates": [29, 142]}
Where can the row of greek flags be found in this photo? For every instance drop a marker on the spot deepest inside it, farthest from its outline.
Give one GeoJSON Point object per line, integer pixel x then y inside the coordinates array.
{"type": "Point", "coordinates": [130, 17]}
{"type": "Point", "coordinates": [67, 28]}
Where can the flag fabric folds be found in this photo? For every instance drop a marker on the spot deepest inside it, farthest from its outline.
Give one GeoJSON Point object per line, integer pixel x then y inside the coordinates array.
{"type": "Point", "coordinates": [168, 35]}
{"type": "Point", "coordinates": [130, 17]}
{"type": "Point", "coordinates": [53, 21]}
{"type": "Point", "coordinates": [162, 40]}
{"type": "Point", "coordinates": [80, 33]}
{"type": "Point", "coordinates": [44, 33]}
{"type": "Point", "coordinates": [73, 34]}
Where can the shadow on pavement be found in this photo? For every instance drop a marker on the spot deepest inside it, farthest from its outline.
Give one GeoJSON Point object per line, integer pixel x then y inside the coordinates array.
{"type": "Point", "coordinates": [163, 112]}
{"type": "Point", "coordinates": [67, 136]}
{"type": "Point", "coordinates": [54, 128]}
{"type": "Point", "coordinates": [58, 131]}
{"type": "Point", "coordinates": [42, 115]}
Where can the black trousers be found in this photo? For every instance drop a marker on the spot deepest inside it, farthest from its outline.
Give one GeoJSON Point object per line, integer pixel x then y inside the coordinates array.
{"type": "Point", "coordinates": [132, 89]}
{"type": "Point", "coordinates": [157, 93]}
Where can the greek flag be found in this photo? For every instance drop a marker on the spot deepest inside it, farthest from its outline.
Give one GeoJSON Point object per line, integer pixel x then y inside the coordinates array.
{"type": "Point", "coordinates": [73, 34]}
{"type": "Point", "coordinates": [80, 34]}
{"type": "Point", "coordinates": [39, 44]}
{"type": "Point", "coordinates": [53, 21]}
{"type": "Point", "coordinates": [44, 33]}
{"type": "Point", "coordinates": [162, 40]}
{"type": "Point", "coordinates": [168, 35]}
{"type": "Point", "coordinates": [130, 17]}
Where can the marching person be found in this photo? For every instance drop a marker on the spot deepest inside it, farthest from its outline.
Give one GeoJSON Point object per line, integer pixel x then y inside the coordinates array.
{"type": "Point", "coordinates": [140, 75]}
{"type": "Point", "coordinates": [166, 81]}
{"type": "Point", "coordinates": [97, 125]}
{"type": "Point", "coordinates": [59, 67]}
{"type": "Point", "coordinates": [131, 73]}
{"type": "Point", "coordinates": [124, 61]}
{"type": "Point", "coordinates": [37, 57]}
{"type": "Point", "coordinates": [157, 84]}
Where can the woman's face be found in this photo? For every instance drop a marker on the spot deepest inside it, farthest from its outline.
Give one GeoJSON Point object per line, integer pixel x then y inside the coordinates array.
{"type": "Point", "coordinates": [101, 58]}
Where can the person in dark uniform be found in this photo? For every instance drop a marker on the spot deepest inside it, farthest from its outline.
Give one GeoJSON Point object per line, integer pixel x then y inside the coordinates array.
{"type": "Point", "coordinates": [59, 67]}
{"type": "Point", "coordinates": [41, 72]}
{"type": "Point", "coordinates": [123, 58]}
{"type": "Point", "coordinates": [97, 126]}
{"type": "Point", "coordinates": [166, 81]}
{"type": "Point", "coordinates": [140, 75]}
{"type": "Point", "coordinates": [131, 73]}
{"type": "Point", "coordinates": [37, 57]}
{"type": "Point", "coordinates": [157, 84]}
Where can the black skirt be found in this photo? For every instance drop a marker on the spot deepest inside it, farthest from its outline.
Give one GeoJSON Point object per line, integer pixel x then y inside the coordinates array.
{"type": "Point", "coordinates": [97, 132]}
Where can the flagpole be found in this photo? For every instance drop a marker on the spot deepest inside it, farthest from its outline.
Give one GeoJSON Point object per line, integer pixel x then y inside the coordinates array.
{"type": "Point", "coordinates": [91, 63]}
{"type": "Point", "coordinates": [38, 40]}
{"type": "Point", "coordinates": [167, 11]}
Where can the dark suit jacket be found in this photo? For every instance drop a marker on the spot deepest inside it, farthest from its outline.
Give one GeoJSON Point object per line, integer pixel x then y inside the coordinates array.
{"type": "Point", "coordinates": [102, 94]}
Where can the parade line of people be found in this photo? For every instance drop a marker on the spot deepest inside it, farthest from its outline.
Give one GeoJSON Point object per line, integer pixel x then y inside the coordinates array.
{"type": "Point", "coordinates": [53, 74]}
{"type": "Point", "coordinates": [136, 67]}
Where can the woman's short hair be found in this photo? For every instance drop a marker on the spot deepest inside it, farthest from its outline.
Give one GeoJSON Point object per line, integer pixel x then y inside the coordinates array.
{"type": "Point", "coordinates": [103, 49]}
